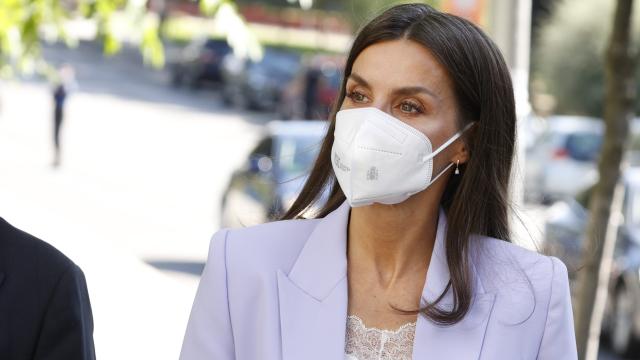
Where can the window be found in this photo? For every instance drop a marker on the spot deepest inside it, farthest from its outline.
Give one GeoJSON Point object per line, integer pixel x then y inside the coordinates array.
{"type": "Point", "coordinates": [264, 148]}
{"type": "Point", "coordinates": [584, 146]}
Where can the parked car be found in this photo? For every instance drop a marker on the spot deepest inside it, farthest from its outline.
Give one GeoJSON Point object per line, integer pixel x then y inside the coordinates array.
{"type": "Point", "coordinates": [273, 174]}
{"type": "Point", "coordinates": [259, 84]}
{"type": "Point", "coordinates": [565, 229]}
{"type": "Point", "coordinates": [563, 160]}
{"type": "Point", "coordinates": [199, 62]}
{"type": "Point", "coordinates": [530, 127]}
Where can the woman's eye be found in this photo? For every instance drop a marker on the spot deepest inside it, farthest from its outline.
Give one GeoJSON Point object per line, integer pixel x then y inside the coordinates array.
{"type": "Point", "coordinates": [357, 96]}
{"type": "Point", "coordinates": [411, 108]}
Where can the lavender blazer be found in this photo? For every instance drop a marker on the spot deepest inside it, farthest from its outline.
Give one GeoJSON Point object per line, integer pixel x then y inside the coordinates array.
{"type": "Point", "coordinates": [279, 291]}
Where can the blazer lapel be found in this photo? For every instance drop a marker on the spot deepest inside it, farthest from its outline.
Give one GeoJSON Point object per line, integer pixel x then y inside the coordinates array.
{"type": "Point", "coordinates": [313, 296]}
{"type": "Point", "coordinates": [463, 340]}
{"type": "Point", "coordinates": [313, 300]}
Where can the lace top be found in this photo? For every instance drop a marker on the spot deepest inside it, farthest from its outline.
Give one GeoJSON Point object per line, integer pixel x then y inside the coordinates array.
{"type": "Point", "coordinates": [363, 343]}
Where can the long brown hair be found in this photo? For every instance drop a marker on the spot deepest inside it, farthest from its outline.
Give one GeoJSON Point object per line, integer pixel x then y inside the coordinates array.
{"type": "Point", "coordinates": [477, 201]}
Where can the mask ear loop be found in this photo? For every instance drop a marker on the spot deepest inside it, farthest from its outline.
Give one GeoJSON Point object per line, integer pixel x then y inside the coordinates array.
{"type": "Point", "coordinates": [440, 174]}
{"type": "Point", "coordinates": [447, 143]}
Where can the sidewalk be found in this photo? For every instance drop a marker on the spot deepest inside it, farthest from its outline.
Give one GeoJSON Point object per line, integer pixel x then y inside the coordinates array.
{"type": "Point", "coordinates": [138, 182]}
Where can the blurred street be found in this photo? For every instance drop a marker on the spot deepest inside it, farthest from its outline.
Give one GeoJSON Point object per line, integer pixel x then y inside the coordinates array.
{"type": "Point", "coordinates": [137, 196]}
{"type": "Point", "coordinates": [142, 170]}
{"type": "Point", "coordinates": [169, 120]}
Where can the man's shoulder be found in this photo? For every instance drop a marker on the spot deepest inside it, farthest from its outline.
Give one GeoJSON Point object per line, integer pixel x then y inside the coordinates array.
{"type": "Point", "coordinates": [46, 299]}
{"type": "Point", "coordinates": [22, 253]}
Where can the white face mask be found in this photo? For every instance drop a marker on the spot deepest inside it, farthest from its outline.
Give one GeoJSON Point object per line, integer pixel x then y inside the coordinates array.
{"type": "Point", "coordinates": [380, 159]}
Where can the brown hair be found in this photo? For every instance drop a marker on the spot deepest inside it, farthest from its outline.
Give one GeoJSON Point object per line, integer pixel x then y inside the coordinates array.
{"type": "Point", "coordinates": [477, 201]}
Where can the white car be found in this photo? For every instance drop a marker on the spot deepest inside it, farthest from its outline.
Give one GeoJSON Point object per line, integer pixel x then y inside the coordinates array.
{"type": "Point", "coordinates": [267, 184]}
{"type": "Point", "coordinates": [563, 160]}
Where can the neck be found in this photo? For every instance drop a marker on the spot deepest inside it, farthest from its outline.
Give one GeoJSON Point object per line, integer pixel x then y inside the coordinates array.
{"type": "Point", "coordinates": [393, 241]}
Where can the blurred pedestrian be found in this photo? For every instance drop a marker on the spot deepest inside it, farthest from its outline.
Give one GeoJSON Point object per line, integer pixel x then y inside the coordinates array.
{"type": "Point", "coordinates": [63, 85]}
{"type": "Point", "coordinates": [312, 78]}
{"type": "Point", "coordinates": [45, 311]}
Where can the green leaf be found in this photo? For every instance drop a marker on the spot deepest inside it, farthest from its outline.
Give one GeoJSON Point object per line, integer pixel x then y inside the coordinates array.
{"type": "Point", "coordinates": [210, 7]}
{"type": "Point", "coordinates": [151, 47]}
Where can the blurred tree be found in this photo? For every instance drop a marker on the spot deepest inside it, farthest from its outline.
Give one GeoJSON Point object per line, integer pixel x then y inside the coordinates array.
{"type": "Point", "coordinates": [357, 12]}
{"type": "Point", "coordinates": [232, 26]}
{"type": "Point", "coordinates": [567, 61]}
{"type": "Point", "coordinates": [361, 11]}
{"type": "Point", "coordinates": [25, 23]}
{"type": "Point", "coordinates": [605, 204]}
{"type": "Point", "coordinates": [541, 11]}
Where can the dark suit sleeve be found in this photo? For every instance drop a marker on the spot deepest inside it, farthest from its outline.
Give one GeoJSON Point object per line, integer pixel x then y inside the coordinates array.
{"type": "Point", "coordinates": [67, 327]}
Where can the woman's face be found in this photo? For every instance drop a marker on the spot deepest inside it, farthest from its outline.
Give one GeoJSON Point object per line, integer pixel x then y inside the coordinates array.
{"type": "Point", "coordinates": [403, 78]}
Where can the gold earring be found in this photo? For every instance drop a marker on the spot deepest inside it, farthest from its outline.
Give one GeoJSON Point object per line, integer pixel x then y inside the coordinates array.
{"type": "Point", "coordinates": [457, 172]}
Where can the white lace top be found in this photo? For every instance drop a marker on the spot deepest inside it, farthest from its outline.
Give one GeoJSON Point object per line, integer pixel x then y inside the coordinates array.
{"type": "Point", "coordinates": [363, 343]}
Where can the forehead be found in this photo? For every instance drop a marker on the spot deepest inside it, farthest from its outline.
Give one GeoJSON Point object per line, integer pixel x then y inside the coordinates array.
{"type": "Point", "coordinates": [398, 63]}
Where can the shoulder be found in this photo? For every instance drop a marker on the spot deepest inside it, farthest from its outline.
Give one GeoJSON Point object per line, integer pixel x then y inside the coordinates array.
{"type": "Point", "coordinates": [499, 254]}
{"type": "Point", "coordinates": [25, 255]}
{"type": "Point", "coordinates": [270, 246]}
{"type": "Point", "coordinates": [41, 283]}
{"type": "Point", "coordinates": [522, 279]}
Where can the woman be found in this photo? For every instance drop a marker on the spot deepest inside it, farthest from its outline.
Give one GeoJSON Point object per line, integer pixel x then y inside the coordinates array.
{"type": "Point", "coordinates": [409, 258]}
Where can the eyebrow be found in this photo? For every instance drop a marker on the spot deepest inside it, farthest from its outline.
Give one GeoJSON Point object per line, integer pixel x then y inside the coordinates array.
{"type": "Point", "coordinates": [408, 90]}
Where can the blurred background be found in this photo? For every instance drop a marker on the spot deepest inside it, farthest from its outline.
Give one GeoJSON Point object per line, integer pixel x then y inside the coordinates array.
{"type": "Point", "coordinates": [132, 130]}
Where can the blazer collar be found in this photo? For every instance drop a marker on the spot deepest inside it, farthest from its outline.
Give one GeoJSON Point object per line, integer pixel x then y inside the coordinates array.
{"type": "Point", "coordinates": [322, 263]}
{"type": "Point", "coordinates": [313, 295]}
{"type": "Point", "coordinates": [313, 299]}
